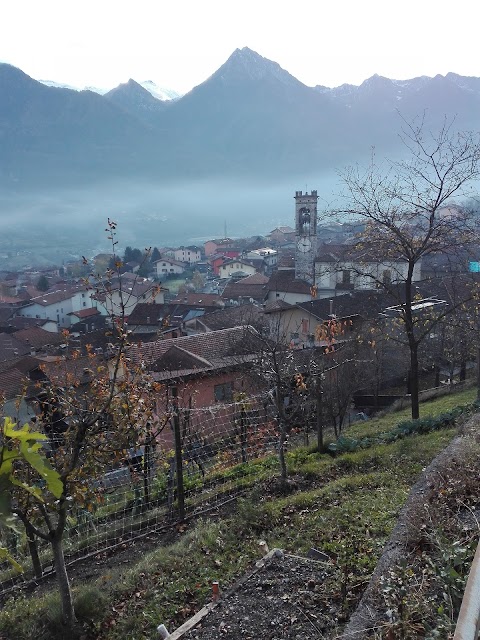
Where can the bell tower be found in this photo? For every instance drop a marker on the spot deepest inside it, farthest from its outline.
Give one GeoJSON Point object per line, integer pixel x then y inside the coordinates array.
{"type": "Point", "coordinates": [305, 235]}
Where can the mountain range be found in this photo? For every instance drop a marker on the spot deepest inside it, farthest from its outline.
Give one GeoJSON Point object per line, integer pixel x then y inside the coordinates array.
{"type": "Point", "coordinates": [161, 93]}
{"type": "Point", "coordinates": [250, 119]}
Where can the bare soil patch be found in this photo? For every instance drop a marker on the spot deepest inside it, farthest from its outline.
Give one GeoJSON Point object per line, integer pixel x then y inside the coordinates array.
{"type": "Point", "coordinates": [284, 599]}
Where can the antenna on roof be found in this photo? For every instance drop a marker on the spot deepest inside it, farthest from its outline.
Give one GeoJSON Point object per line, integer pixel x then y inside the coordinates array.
{"type": "Point", "coordinates": [225, 229]}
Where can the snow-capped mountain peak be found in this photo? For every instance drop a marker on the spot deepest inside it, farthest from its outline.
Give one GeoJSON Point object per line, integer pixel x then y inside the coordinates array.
{"type": "Point", "coordinates": [159, 92]}
{"type": "Point", "coordinates": [155, 90]}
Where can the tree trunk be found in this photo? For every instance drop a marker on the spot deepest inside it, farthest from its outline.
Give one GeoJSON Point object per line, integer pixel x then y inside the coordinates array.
{"type": "Point", "coordinates": [335, 428]}
{"type": "Point", "coordinates": [68, 613]}
{"type": "Point", "coordinates": [414, 381]}
{"type": "Point", "coordinates": [178, 457]}
{"type": "Point", "coordinates": [320, 443]}
{"type": "Point", "coordinates": [33, 548]}
{"type": "Point", "coordinates": [146, 474]}
{"type": "Point", "coordinates": [281, 451]}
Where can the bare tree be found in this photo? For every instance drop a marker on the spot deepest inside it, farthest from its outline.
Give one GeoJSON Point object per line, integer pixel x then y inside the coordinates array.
{"type": "Point", "coordinates": [408, 212]}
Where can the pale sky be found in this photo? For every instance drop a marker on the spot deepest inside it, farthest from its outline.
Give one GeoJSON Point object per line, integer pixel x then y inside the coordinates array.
{"type": "Point", "coordinates": [178, 44]}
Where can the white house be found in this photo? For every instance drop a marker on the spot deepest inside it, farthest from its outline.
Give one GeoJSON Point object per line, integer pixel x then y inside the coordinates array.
{"type": "Point", "coordinates": [235, 266]}
{"type": "Point", "coordinates": [82, 299]}
{"type": "Point", "coordinates": [57, 305]}
{"type": "Point", "coordinates": [166, 266]}
{"type": "Point", "coordinates": [121, 295]}
{"type": "Point", "coordinates": [269, 256]}
{"type": "Point", "coordinates": [190, 255]}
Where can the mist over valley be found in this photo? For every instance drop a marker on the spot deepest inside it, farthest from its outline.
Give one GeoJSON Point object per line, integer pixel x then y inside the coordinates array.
{"type": "Point", "coordinates": [55, 225]}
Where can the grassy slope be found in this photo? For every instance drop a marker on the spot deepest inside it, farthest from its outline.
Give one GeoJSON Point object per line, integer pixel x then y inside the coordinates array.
{"type": "Point", "coordinates": [347, 507]}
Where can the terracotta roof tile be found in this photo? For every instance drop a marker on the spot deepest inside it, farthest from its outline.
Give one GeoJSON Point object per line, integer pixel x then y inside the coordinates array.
{"type": "Point", "coordinates": [177, 359]}
{"type": "Point", "coordinates": [37, 337]}
{"type": "Point", "coordinates": [236, 341]}
{"type": "Point", "coordinates": [12, 383]}
{"type": "Point", "coordinates": [21, 322]}
{"type": "Point", "coordinates": [11, 348]}
{"type": "Point", "coordinates": [52, 297]}
{"type": "Point", "coordinates": [242, 315]}
{"type": "Point", "coordinates": [155, 315]}
{"type": "Point", "coordinates": [278, 305]}
{"type": "Point", "coordinates": [85, 313]}
{"type": "Point", "coordinates": [285, 281]}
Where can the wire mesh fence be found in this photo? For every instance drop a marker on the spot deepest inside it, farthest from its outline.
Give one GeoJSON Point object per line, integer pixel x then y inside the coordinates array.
{"type": "Point", "coordinates": [200, 459]}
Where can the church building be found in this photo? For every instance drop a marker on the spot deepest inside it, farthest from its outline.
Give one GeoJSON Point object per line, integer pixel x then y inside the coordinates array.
{"type": "Point", "coordinates": [337, 269]}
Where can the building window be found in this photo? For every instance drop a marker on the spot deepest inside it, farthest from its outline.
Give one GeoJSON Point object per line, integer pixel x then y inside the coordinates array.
{"type": "Point", "coordinates": [387, 276]}
{"type": "Point", "coordinates": [223, 392]}
{"type": "Point", "coordinates": [84, 304]}
{"type": "Point", "coordinates": [346, 276]}
{"type": "Point", "coordinates": [305, 326]}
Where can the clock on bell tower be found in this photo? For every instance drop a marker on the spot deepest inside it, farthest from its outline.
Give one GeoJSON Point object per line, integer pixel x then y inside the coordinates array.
{"type": "Point", "coordinates": [305, 235]}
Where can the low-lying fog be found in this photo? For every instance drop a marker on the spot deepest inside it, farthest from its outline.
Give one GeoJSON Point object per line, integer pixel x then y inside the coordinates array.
{"type": "Point", "coordinates": [55, 225]}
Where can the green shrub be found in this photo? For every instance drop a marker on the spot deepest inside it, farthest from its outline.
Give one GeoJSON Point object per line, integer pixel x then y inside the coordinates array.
{"type": "Point", "coordinates": [402, 430]}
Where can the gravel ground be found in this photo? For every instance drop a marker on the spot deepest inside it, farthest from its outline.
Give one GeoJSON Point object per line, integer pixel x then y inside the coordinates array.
{"type": "Point", "coordinates": [283, 599]}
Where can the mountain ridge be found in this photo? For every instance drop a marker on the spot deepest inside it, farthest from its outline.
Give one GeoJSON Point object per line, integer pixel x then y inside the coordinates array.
{"type": "Point", "coordinates": [251, 118]}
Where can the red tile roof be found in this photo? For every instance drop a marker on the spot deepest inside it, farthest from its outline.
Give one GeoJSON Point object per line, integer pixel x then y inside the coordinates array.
{"type": "Point", "coordinates": [37, 337]}
{"type": "Point", "coordinates": [235, 316]}
{"type": "Point", "coordinates": [216, 347]}
{"type": "Point", "coordinates": [12, 384]}
{"type": "Point", "coordinates": [85, 313]}
{"type": "Point", "coordinates": [46, 299]}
